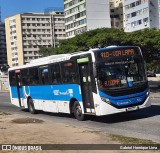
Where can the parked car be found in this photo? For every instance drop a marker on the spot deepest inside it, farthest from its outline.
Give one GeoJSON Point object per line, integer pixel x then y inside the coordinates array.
{"type": "Point", "coordinates": [151, 74]}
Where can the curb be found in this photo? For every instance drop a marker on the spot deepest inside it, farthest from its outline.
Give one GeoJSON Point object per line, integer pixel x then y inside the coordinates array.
{"type": "Point", "coordinates": [1, 91]}
{"type": "Point", "coordinates": [154, 97]}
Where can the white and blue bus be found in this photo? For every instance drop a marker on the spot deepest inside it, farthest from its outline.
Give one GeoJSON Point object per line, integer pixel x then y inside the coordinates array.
{"type": "Point", "coordinates": [95, 82]}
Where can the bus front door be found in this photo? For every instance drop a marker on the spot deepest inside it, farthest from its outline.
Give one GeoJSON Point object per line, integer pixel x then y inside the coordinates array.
{"type": "Point", "coordinates": [19, 86]}
{"type": "Point", "coordinates": [86, 87]}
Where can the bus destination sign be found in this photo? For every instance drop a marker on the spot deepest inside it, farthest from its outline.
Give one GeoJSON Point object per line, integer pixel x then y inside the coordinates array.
{"type": "Point", "coordinates": [117, 53]}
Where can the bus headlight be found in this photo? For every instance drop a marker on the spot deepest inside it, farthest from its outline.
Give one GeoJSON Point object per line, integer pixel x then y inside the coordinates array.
{"type": "Point", "coordinates": [147, 93]}
{"type": "Point", "coordinates": [105, 100]}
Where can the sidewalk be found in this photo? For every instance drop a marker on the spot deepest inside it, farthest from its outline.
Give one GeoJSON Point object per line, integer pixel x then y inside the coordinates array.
{"type": "Point", "coordinates": [154, 94]}
{"type": "Point", "coordinates": [154, 82]}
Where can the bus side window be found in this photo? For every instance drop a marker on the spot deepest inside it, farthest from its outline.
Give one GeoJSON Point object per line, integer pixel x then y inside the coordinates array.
{"type": "Point", "coordinates": [33, 74]}
{"type": "Point", "coordinates": [69, 72]}
{"type": "Point", "coordinates": [44, 75]}
{"type": "Point", "coordinates": [12, 78]}
{"type": "Point", "coordinates": [25, 77]}
{"type": "Point", "coordinates": [55, 74]}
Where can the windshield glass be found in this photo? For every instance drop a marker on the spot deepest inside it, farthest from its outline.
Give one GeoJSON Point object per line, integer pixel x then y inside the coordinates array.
{"type": "Point", "coordinates": [121, 73]}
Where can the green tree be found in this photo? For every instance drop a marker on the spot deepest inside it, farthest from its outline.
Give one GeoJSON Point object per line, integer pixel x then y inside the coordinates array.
{"type": "Point", "coordinates": [148, 40]}
{"type": "Point", "coordinates": [44, 51]}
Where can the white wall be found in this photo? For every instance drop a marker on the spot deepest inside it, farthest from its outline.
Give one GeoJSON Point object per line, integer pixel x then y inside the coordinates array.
{"type": "Point", "coordinates": [98, 14]}
{"type": "Point", "coordinates": [154, 14]}
{"type": "Point", "coordinates": [128, 22]}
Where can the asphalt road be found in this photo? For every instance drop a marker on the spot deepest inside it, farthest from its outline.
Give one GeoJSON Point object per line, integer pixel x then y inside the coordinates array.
{"type": "Point", "coordinates": [144, 124]}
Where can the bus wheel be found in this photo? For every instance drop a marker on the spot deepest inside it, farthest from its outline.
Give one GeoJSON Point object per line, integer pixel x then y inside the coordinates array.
{"type": "Point", "coordinates": [78, 111]}
{"type": "Point", "coordinates": [31, 106]}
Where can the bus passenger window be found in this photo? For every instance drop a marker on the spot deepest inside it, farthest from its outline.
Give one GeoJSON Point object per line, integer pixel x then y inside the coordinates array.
{"type": "Point", "coordinates": [12, 78]}
{"type": "Point", "coordinates": [33, 74]}
{"type": "Point", "coordinates": [25, 77]}
{"type": "Point", "coordinates": [44, 76]}
{"type": "Point", "coordinates": [69, 72]}
{"type": "Point", "coordinates": [55, 74]}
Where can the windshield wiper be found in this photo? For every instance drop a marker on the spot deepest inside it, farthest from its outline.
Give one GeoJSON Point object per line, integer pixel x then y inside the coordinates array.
{"type": "Point", "coordinates": [139, 82]}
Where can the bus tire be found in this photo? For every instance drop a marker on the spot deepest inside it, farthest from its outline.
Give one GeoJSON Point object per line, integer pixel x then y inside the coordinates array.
{"type": "Point", "coordinates": [78, 111]}
{"type": "Point", "coordinates": [31, 107]}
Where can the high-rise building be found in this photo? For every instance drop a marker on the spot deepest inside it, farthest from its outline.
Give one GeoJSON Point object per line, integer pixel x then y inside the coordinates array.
{"type": "Point", "coordinates": [3, 52]}
{"type": "Point", "coordinates": [26, 33]}
{"type": "Point", "coordinates": [141, 14]}
{"type": "Point", "coordinates": [85, 15]}
{"type": "Point", "coordinates": [117, 13]}
{"type": "Point", "coordinates": [58, 27]}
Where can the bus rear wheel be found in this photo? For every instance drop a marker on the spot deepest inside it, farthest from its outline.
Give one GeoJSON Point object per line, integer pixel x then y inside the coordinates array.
{"type": "Point", "coordinates": [78, 111]}
{"type": "Point", "coordinates": [31, 106]}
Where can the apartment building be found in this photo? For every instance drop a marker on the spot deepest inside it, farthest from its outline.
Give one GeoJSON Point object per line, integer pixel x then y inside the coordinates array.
{"type": "Point", "coordinates": [141, 14]}
{"type": "Point", "coordinates": [117, 13]}
{"type": "Point", "coordinates": [3, 51]}
{"type": "Point", "coordinates": [85, 15]}
{"type": "Point", "coordinates": [26, 33]}
{"type": "Point", "coordinates": [58, 27]}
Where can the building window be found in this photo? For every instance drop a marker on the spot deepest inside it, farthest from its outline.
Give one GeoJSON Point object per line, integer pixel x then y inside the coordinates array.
{"type": "Point", "coordinates": [133, 24]}
{"type": "Point", "coordinates": [145, 10]}
{"type": "Point", "coordinates": [132, 5]}
{"type": "Point", "coordinates": [138, 2]}
{"type": "Point", "coordinates": [145, 21]}
{"type": "Point", "coordinates": [133, 14]}
{"type": "Point", "coordinates": [139, 22]}
{"type": "Point", "coordinates": [127, 16]}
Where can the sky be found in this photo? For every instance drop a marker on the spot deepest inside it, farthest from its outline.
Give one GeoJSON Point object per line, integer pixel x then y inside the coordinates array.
{"type": "Point", "coordinates": [12, 7]}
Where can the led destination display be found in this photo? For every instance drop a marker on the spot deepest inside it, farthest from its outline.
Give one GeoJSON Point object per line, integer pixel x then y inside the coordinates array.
{"type": "Point", "coordinates": [117, 53]}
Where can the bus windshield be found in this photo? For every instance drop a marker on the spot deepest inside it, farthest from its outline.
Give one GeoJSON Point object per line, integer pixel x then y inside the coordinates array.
{"type": "Point", "coordinates": [121, 73]}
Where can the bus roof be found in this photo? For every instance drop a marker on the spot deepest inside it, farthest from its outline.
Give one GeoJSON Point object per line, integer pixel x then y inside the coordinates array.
{"type": "Point", "coordinates": [62, 57]}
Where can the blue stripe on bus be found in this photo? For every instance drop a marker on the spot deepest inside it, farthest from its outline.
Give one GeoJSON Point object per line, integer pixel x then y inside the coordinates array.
{"type": "Point", "coordinates": [49, 92]}
{"type": "Point", "coordinates": [127, 99]}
